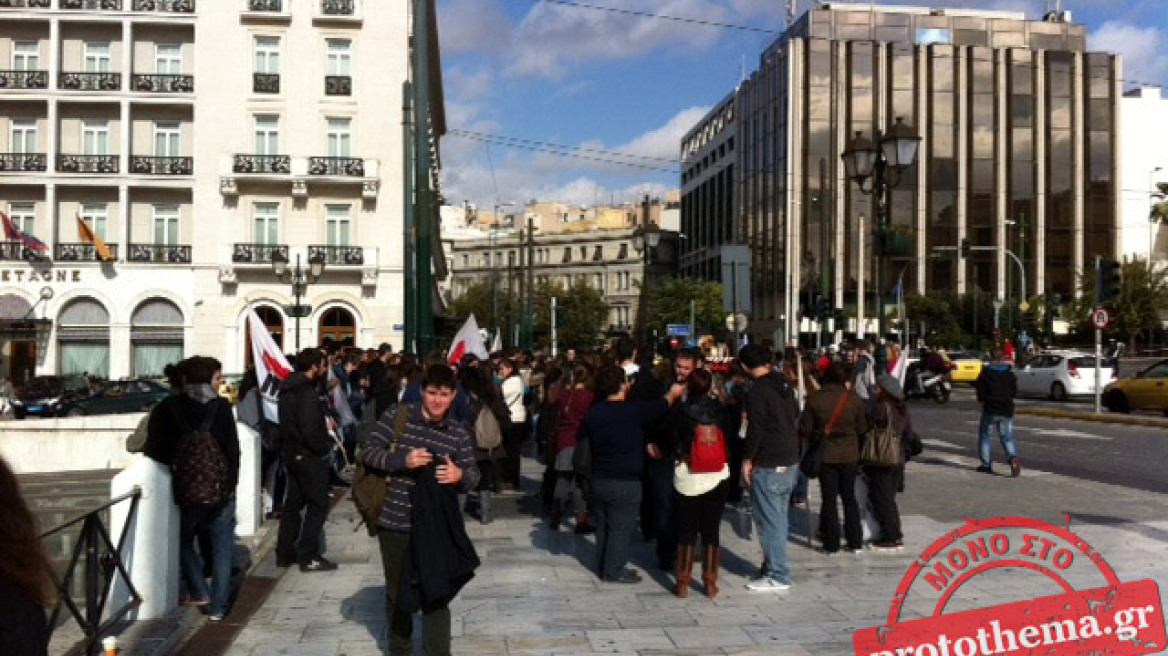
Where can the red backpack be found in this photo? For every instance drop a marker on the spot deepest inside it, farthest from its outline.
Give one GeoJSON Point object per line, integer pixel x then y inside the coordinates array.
{"type": "Point", "coordinates": [708, 451]}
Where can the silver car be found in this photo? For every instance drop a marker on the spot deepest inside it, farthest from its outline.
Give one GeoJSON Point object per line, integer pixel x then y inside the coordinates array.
{"type": "Point", "coordinates": [1062, 375]}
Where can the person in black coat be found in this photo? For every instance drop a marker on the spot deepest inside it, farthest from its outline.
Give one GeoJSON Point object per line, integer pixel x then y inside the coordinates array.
{"type": "Point", "coordinates": [26, 574]}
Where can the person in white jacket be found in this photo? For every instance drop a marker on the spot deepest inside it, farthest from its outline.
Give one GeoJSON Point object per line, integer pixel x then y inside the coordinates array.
{"type": "Point", "coordinates": [512, 388]}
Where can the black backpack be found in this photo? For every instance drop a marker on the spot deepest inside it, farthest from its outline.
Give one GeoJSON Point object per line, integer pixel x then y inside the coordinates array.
{"type": "Point", "coordinates": [198, 470]}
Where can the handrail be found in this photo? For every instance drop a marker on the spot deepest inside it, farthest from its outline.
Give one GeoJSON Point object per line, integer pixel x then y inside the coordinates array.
{"type": "Point", "coordinates": [91, 540]}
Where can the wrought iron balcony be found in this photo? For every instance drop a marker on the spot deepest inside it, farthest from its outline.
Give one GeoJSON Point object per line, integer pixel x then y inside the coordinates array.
{"type": "Point", "coordinates": [23, 79]}
{"type": "Point", "coordinates": [81, 252]}
{"type": "Point", "coordinates": [15, 251]}
{"type": "Point", "coordinates": [258, 253]}
{"type": "Point", "coordinates": [265, 5]}
{"type": "Point", "coordinates": [161, 165]}
{"type": "Point", "coordinates": [25, 3]}
{"type": "Point", "coordinates": [338, 85]}
{"type": "Point", "coordinates": [91, 4]}
{"type": "Point", "coordinates": [22, 161]}
{"type": "Point", "coordinates": [160, 253]}
{"type": "Point", "coordinates": [91, 81]}
{"type": "Point", "coordinates": [176, 6]}
{"type": "Point", "coordinates": [87, 163]}
{"type": "Point", "coordinates": [261, 164]}
{"type": "Point", "coordinates": [348, 166]}
{"type": "Point", "coordinates": [265, 82]}
{"type": "Point", "coordinates": [338, 7]}
{"type": "Point", "coordinates": [338, 255]}
{"type": "Point", "coordinates": [162, 83]}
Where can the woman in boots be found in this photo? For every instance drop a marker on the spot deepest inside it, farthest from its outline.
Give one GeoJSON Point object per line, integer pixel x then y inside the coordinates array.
{"type": "Point", "coordinates": [701, 494]}
{"type": "Point", "coordinates": [573, 403]}
{"type": "Point", "coordinates": [483, 397]}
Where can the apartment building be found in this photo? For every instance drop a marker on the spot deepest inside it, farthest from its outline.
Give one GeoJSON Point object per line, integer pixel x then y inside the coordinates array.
{"type": "Point", "coordinates": [233, 155]}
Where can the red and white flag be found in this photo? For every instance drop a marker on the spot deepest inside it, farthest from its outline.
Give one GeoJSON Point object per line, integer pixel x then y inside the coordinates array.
{"type": "Point", "coordinates": [270, 363]}
{"type": "Point", "coordinates": [468, 340]}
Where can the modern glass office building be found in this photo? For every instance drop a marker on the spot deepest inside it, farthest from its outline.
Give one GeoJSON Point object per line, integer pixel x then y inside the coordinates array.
{"type": "Point", "coordinates": [1018, 156]}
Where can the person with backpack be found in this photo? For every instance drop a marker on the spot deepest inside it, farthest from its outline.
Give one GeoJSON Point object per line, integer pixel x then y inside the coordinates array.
{"type": "Point", "coordinates": [487, 431]}
{"type": "Point", "coordinates": [194, 434]}
{"type": "Point", "coordinates": [701, 478]}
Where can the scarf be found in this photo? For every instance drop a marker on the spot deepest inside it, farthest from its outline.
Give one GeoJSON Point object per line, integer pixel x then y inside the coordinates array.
{"type": "Point", "coordinates": [201, 392]}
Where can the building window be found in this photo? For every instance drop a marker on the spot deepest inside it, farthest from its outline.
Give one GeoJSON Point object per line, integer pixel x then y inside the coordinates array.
{"type": "Point", "coordinates": [598, 282]}
{"type": "Point", "coordinates": [97, 216]}
{"type": "Point", "coordinates": [25, 56]}
{"type": "Point", "coordinates": [567, 254]}
{"type": "Point", "coordinates": [168, 59]}
{"type": "Point", "coordinates": [339, 136]}
{"type": "Point", "coordinates": [339, 56]}
{"type": "Point", "coordinates": [337, 225]}
{"type": "Point", "coordinates": [23, 216]}
{"type": "Point", "coordinates": [267, 223]}
{"type": "Point", "coordinates": [95, 137]}
{"type": "Point", "coordinates": [156, 336]}
{"type": "Point", "coordinates": [83, 337]}
{"type": "Point", "coordinates": [465, 260]}
{"type": "Point", "coordinates": [267, 55]}
{"type": "Point", "coordinates": [166, 139]}
{"type": "Point", "coordinates": [166, 225]}
{"type": "Point", "coordinates": [97, 57]}
{"type": "Point", "coordinates": [24, 135]}
{"type": "Point", "coordinates": [267, 134]}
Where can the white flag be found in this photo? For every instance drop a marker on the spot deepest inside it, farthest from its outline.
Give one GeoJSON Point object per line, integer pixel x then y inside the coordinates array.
{"type": "Point", "coordinates": [339, 400]}
{"type": "Point", "coordinates": [497, 343]}
{"type": "Point", "coordinates": [270, 363]}
{"type": "Point", "coordinates": [899, 367]}
{"type": "Point", "coordinates": [468, 340]}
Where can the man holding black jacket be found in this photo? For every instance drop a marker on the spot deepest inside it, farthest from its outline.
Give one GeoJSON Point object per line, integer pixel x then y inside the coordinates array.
{"type": "Point", "coordinates": [306, 449]}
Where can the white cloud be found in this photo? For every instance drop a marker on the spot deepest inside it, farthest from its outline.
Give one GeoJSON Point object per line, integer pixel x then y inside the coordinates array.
{"type": "Point", "coordinates": [1144, 50]}
{"type": "Point", "coordinates": [473, 26]}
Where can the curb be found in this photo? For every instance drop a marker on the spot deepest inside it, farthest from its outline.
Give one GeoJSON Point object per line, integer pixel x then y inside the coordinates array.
{"type": "Point", "coordinates": [1102, 417]}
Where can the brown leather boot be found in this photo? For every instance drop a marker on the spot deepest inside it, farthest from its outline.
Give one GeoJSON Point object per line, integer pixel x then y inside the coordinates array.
{"type": "Point", "coordinates": [685, 561]}
{"type": "Point", "coordinates": [710, 565]}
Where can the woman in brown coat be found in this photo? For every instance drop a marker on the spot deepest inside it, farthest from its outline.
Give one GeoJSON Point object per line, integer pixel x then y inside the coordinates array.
{"type": "Point", "coordinates": [841, 455]}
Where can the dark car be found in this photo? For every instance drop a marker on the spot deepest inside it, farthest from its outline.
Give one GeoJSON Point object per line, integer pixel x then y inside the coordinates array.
{"type": "Point", "coordinates": [45, 396]}
{"type": "Point", "coordinates": [119, 396]}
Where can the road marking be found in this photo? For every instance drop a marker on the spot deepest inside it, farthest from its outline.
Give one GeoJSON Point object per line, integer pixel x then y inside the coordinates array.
{"type": "Point", "coordinates": [1052, 432]}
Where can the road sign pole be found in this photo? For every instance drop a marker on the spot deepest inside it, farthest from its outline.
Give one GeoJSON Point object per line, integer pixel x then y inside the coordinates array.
{"type": "Point", "coordinates": [1098, 370]}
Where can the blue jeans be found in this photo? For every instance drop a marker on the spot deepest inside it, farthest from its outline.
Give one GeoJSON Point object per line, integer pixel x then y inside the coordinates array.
{"type": "Point", "coordinates": [616, 517]}
{"type": "Point", "coordinates": [770, 495]}
{"type": "Point", "coordinates": [1005, 426]}
{"type": "Point", "coordinates": [219, 521]}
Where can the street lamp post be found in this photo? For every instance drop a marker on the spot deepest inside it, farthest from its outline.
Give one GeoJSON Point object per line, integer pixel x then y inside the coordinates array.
{"type": "Point", "coordinates": [300, 278]}
{"type": "Point", "coordinates": [877, 167]}
{"type": "Point", "coordinates": [1152, 193]}
{"type": "Point", "coordinates": [645, 240]}
{"type": "Point", "coordinates": [495, 269]}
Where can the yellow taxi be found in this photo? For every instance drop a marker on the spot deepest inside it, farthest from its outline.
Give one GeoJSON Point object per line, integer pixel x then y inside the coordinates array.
{"type": "Point", "coordinates": [1147, 390]}
{"type": "Point", "coordinates": [966, 365]}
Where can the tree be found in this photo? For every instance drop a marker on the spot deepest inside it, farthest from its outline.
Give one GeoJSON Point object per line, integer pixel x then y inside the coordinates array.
{"type": "Point", "coordinates": [1135, 313]}
{"type": "Point", "coordinates": [1159, 211]}
{"type": "Point", "coordinates": [581, 311]}
{"type": "Point", "coordinates": [668, 301]}
{"type": "Point", "coordinates": [478, 300]}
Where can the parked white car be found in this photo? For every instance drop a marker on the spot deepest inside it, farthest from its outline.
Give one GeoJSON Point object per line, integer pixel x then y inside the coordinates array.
{"type": "Point", "coordinates": [1060, 375]}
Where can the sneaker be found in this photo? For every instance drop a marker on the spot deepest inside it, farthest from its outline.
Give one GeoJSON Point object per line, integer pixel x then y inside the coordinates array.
{"type": "Point", "coordinates": [215, 618]}
{"type": "Point", "coordinates": [888, 545]}
{"type": "Point", "coordinates": [1015, 467]}
{"type": "Point", "coordinates": [767, 584]}
{"type": "Point", "coordinates": [985, 469]}
{"type": "Point", "coordinates": [853, 551]}
{"type": "Point", "coordinates": [318, 564]}
{"type": "Point", "coordinates": [194, 601]}
{"type": "Point", "coordinates": [827, 552]}
{"type": "Point", "coordinates": [629, 577]}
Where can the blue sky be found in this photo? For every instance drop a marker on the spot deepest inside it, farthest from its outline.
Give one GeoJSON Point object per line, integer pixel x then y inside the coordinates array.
{"type": "Point", "coordinates": [618, 89]}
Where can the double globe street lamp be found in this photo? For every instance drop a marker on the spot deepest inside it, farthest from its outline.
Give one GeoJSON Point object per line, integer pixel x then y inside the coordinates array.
{"type": "Point", "coordinates": [645, 241]}
{"type": "Point", "coordinates": [300, 278]}
{"type": "Point", "coordinates": [877, 167]}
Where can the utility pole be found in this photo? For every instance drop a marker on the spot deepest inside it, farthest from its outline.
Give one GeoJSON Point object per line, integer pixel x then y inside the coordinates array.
{"type": "Point", "coordinates": [410, 286]}
{"type": "Point", "coordinates": [422, 175]}
{"type": "Point", "coordinates": [527, 339]}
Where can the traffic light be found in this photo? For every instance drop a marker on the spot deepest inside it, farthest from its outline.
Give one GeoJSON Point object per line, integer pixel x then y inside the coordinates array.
{"type": "Point", "coordinates": [674, 343]}
{"type": "Point", "coordinates": [1109, 280]}
{"type": "Point", "coordinates": [965, 248]}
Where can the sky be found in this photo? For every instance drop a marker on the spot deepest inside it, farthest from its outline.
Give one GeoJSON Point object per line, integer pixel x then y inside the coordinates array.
{"type": "Point", "coordinates": [585, 101]}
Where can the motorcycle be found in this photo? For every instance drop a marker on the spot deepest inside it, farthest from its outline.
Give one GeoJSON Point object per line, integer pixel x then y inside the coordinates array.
{"type": "Point", "coordinates": [923, 384]}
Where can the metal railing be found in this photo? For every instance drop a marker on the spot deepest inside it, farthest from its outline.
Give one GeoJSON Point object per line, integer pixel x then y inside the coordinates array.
{"type": "Point", "coordinates": [102, 562]}
{"type": "Point", "coordinates": [338, 7]}
{"type": "Point", "coordinates": [91, 81]}
{"type": "Point", "coordinates": [23, 79]}
{"type": "Point", "coordinates": [151, 165]}
{"type": "Point", "coordinates": [22, 161]}
{"type": "Point", "coordinates": [265, 5]}
{"type": "Point", "coordinates": [338, 255]}
{"type": "Point", "coordinates": [91, 4]}
{"type": "Point", "coordinates": [160, 253]}
{"type": "Point", "coordinates": [265, 82]}
{"type": "Point", "coordinates": [338, 85]}
{"type": "Point", "coordinates": [349, 166]}
{"type": "Point", "coordinates": [177, 6]}
{"type": "Point", "coordinates": [13, 251]}
{"type": "Point", "coordinates": [261, 164]}
{"type": "Point", "coordinates": [162, 83]}
{"type": "Point", "coordinates": [87, 163]}
{"type": "Point", "coordinates": [81, 252]}
{"type": "Point", "coordinates": [25, 3]}
{"type": "Point", "coordinates": [257, 253]}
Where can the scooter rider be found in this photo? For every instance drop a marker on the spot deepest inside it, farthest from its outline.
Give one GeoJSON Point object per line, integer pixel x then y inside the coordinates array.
{"type": "Point", "coordinates": [931, 363]}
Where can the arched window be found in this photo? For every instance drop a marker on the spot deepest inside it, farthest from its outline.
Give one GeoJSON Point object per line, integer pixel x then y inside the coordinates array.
{"type": "Point", "coordinates": [273, 321]}
{"type": "Point", "coordinates": [83, 338]}
{"type": "Point", "coordinates": [156, 336]}
{"type": "Point", "coordinates": [337, 326]}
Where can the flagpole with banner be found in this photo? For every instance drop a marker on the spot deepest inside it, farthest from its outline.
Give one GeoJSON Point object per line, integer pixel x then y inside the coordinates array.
{"type": "Point", "coordinates": [90, 237]}
{"type": "Point", "coordinates": [467, 340]}
{"type": "Point", "coordinates": [270, 363]}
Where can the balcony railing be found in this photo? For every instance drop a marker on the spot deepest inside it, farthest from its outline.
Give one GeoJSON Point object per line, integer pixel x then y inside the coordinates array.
{"type": "Point", "coordinates": [338, 85]}
{"type": "Point", "coordinates": [87, 163]}
{"type": "Point", "coordinates": [91, 4]}
{"type": "Point", "coordinates": [14, 251]}
{"type": "Point", "coordinates": [350, 166]}
{"type": "Point", "coordinates": [338, 7]}
{"type": "Point", "coordinates": [25, 3]}
{"type": "Point", "coordinates": [161, 165]}
{"type": "Point", "coordinates": [257, 253]}
{"type": "Point", "coordinates": [265, 82]}
{"type": "Point", "coordinates": [91, 81]}
{"type": "Point", "coordinates": [81, 252]}
{"type": "Point", "coordinates": [23, 79]}
{"type": "Point", "coordinates": [261, 164]}
{"type": "Point", "coordinates": [160, 253]}
{"type": "Point", "coordinates": [265, 5]}
{"type": "Point", "coordinates": [176, 6]}
{"type": "Point", "coordinates": [338, 255]}
{"type": "Point", "coordinates": [22, 161]}
{"type": "Point", "coordinates": [162, 83]}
